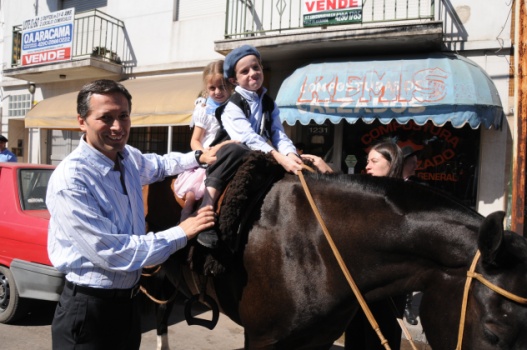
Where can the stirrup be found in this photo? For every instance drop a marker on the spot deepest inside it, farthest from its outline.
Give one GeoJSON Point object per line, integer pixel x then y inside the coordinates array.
{"type": "Point", "coordinates": [206, 300]}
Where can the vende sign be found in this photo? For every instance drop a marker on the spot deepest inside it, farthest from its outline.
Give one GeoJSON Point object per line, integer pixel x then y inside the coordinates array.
{"type": "Point", "coordinates": [47, 38]}
{"type": "Point", "coordinates": [331, 12]}
{"type": "Point", "coordinates": [47, 56]}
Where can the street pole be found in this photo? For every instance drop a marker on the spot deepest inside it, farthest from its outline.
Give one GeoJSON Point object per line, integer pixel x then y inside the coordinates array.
{"type": "Point", "coordinates": [520, 119]}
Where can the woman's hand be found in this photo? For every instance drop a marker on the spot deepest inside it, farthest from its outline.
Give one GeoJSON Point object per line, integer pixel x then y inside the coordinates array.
{"type": "Point", "coordinates": [318, 163]}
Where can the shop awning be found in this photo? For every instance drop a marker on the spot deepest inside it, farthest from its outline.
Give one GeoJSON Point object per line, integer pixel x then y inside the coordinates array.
{"type": "Point", "coordinates": [159, 101]}
{"type": "Point", "coordinates": [437, 87]}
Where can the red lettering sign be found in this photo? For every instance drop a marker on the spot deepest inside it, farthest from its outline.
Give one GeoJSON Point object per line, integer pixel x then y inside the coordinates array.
{"type": "Point", "coordinates": [61, 54]}
{"type": "Point", "coordinates": [324, 5]}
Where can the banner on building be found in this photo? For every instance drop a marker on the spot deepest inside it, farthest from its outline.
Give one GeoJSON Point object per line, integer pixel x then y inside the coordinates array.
{"type": "Point", "coordinates": [48, 38]}
{"type": "Point", "coordinates": [331, 12]}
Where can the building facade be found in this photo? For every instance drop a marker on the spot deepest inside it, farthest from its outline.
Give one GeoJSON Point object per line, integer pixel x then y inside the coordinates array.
{"type": "Point", "coordinates": [433, 75]}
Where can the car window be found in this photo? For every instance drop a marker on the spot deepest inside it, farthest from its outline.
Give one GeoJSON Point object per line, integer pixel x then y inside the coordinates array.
{"type": "Point", "coordinates": [33, 185]}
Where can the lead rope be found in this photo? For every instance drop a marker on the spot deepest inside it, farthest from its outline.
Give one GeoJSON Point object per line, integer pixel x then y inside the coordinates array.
{"type": "Point", "coordinates": [340, 261]}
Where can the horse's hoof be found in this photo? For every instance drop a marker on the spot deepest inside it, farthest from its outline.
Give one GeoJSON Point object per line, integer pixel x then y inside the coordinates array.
{"type": "Point", "coordinates": [410, 317]}
{"type": "Point", "coordinates": [208, 238]}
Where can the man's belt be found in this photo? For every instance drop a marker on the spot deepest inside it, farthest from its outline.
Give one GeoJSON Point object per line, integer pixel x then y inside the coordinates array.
{"type": "Point", "coordinates": [103, 292]}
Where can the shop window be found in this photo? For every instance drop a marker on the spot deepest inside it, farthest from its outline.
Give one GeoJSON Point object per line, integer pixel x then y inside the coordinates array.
{"type": "Point", "coordinates": [19, 105]}
{"type": "Point", "coordinates": [448, 157]}
{"type": "Point", "coordinates": [318, 139]}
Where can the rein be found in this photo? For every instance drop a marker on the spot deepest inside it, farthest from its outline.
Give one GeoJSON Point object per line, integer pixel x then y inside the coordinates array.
{"type": "Point", "coordinates": [470, 275]}
{"type": "Point", "coordinates": [340, 261]}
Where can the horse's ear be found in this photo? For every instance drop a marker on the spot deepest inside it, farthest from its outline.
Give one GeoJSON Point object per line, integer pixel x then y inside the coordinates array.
{"type": "Point", "coordinates": [491, 238]}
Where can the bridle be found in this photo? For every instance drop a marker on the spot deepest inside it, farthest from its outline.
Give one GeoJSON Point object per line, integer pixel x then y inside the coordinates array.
{"type": "Point", "coordinates": [470, 275]}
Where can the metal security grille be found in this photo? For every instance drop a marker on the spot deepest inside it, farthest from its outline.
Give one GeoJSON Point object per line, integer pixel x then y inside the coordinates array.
{"type": "Point", "coordinates": [155, 139]}
{"type": "Point", "coordinates": [181, 136]}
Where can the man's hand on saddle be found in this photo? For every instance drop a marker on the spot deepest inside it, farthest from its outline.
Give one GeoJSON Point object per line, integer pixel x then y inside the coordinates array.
{"type": "Point", "coordinates": [209, 154]}
{"type": "Point", "coordinates": [203, 220]}
{"type": "Point", "coordinates": [318, 163]}
{"type": "Point", "coordinates": [291, 163]}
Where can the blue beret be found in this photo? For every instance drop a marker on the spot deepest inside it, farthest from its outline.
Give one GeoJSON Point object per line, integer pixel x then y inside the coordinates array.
{"type": "Point", "coordinates": [234, 56]}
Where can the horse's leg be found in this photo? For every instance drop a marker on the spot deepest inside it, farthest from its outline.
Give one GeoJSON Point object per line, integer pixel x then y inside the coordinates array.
{"type": "Point", "coordinates": [360, 334]}
{"type": "Point", "coordinates": [162, 313]}
{"type": "Point", "coordinates": [163, 307]}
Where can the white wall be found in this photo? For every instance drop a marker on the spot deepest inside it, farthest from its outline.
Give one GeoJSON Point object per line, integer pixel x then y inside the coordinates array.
{"type": "Point", "coordinates": [158, 40]}
{"type": "Point", "coordinates": [494, 171]}
{"type": "Point", "coordinates": [487, 26]}
{"type": "Point", "coordinates": [482, 20]}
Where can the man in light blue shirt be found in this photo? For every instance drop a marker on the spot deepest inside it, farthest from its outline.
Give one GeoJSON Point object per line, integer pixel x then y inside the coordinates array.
{"type": "Point", "coordinates": [5, 154]}
{"type": "Point", "coordinates": [97, 227]}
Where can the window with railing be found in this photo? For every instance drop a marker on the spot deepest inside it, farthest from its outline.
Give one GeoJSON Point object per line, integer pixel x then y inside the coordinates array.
{"type": "Point", "coordinates": [261, 17]}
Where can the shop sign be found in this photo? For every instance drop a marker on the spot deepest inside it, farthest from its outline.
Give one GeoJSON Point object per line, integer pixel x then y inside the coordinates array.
{"type": "Point", "coordinates": [47, 38]}
{"type": "Point", "coordinates": [331, 12]}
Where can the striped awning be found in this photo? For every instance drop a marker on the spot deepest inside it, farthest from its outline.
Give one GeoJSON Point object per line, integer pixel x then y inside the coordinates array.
{"type": "Point", "coordinates": [436, 87]}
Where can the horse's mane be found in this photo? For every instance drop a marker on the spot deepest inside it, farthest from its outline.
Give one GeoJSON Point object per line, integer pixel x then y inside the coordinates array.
{"type": "Point", "coordinates": [407, 195]}
{"type": "Point", "coordinates": [259, 171]}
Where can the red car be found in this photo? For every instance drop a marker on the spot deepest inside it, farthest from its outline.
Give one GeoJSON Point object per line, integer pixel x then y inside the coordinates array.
{"type": "Point", "coordinates": [25, 270]}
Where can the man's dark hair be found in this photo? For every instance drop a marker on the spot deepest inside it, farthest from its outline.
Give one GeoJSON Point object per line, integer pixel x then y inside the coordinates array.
{"type": "Point", "coordinates": [103, 86]}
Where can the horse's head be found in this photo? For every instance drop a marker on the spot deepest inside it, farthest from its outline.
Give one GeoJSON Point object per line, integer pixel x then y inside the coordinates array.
{"type": "Point", "coordinates": [496, 311]}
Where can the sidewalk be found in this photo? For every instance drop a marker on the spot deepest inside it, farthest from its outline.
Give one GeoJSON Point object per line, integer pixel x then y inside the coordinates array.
{"type": "Point", "coordinates": [228, 335]}
{"type": "Point", "coordinates": [416, 332]}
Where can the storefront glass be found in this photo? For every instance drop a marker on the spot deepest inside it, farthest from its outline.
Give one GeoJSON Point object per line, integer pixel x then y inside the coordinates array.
{"type": "Point", "coordinates": [448, 157]}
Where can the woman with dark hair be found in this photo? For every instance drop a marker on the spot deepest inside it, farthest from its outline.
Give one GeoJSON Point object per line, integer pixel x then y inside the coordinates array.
{"type": "Point", "coordinates": [384, 159]}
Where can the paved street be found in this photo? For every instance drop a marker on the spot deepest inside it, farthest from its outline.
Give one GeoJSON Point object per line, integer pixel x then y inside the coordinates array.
{"type": "Point", "coordinates": [34, 332]}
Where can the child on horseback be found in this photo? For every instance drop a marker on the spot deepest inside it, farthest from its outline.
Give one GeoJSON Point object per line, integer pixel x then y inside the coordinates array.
{"type": "Point", "coordinates": [252, 126]}
{"type": "Point", "coordinates": [190, 186]}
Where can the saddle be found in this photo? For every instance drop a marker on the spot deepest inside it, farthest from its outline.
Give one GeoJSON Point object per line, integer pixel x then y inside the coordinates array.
{"type": "Point", "coordinates": [243, 196]}
{"type": "Point", "coordinates": [237, 210]}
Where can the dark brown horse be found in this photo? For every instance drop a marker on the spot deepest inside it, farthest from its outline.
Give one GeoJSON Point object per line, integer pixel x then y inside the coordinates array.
{"type": "Point", "coordinates": [284, 286]}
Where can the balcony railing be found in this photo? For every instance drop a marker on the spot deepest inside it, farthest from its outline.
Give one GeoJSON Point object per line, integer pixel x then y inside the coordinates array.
{"type": "Point", "coordinates": [96, 34]}
{"type": "Point", "coordinates": [261, 17]}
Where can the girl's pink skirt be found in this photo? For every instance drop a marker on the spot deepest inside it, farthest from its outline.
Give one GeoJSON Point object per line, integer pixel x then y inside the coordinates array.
{"type": "Point", "coordinates": [190, 180]}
